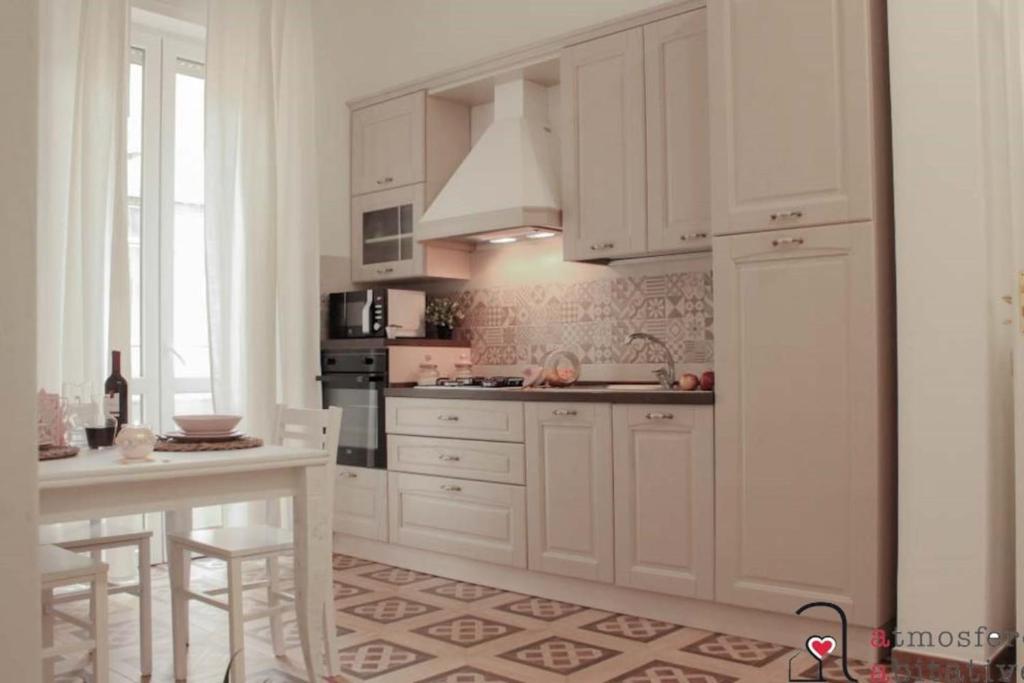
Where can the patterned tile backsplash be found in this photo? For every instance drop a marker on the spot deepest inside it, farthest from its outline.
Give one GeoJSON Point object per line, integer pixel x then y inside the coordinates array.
{"type": "Point", "coordinates": [518, 325]}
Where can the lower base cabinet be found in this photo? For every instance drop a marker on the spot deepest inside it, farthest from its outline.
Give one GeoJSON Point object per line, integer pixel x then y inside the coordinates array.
{"type": "Point", "coordinates": [477, 520]}
{"type": "Point", "coordinates": [665, 498]}
{"type": "Point", "coordinates": [361, 502]}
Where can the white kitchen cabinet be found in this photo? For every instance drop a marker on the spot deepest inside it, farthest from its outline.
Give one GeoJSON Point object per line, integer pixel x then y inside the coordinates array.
{"type": "Point", "coordinates": [388, 144]}
{"type": "Point", "coordinates": [361, 502]}
{"type": "Point", "coordinates": [569, 489]}
{"type": "Point", "coordinates": [482, 460]}
{"type": "Point", "coordinates": [477, 520]}
{"type": "Point", "coordinates": [603, 148]}
{"type": "Point", "coordinates": [664, 498]}
{"type": "Point", "coordinates": [798, 106]}
{"type": "Point", "coordinates": [803, 420]}
{"type": "Point", "coordinates": [678, 156]}
{"type": "Point", "coordinates": [458, 419]}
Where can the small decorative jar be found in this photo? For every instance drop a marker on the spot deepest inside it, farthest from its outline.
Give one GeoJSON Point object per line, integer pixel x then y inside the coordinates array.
{"type": "Point", "coordinates": [135, 442]}
{"type": "Point", "coordinates": [428, 373]}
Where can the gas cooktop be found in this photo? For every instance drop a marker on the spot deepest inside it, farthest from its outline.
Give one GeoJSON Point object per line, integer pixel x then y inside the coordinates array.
{"type": "Point", "coordinates": [477, 383]}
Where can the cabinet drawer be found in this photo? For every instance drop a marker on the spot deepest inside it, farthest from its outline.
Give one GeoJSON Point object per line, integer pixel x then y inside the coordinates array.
{"type": "Point", "coordinates": [477, 520]}
{"type": "Point", "coordinates": [361, 502]}
{"type": "Point", "coordinates": [482, 460]}
{"type": "Point", "coordinates": [484, 420]}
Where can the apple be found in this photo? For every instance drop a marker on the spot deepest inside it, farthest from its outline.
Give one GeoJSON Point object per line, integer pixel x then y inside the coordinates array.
{"type": "Point", "coordinates": [689, 382]}
{"type": "Point", "coordinates": [707, 381]}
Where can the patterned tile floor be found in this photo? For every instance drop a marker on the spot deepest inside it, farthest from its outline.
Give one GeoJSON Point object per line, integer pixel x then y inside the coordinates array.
{"type": "Point", "coordinates": [402, 626]}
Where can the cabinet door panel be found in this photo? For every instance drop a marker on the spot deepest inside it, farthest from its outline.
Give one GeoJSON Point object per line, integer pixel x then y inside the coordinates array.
{"type": "Point", "coordinates": [790, 113]}
{"type": "Point", "coordinates": [569, 489]}
{"type": "Point", "coordinates": [798, 447]}
{"type": "Point", "coordinates": [603, 194]}
{"type": "Point", "coordinates": [664, 499]}
{"type": "Point", "coordinates": [384, 245]}
{"type": "Point", "coordinates": [678, 153]}
{"type": "Point", "coordinates": [388, 146]}
{"type": "Point", "coordinates": [361, 503]}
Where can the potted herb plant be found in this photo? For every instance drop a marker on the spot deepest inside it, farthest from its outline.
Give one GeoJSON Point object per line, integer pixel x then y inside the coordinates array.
{"type": "Point", "coordinates": [443, 314]}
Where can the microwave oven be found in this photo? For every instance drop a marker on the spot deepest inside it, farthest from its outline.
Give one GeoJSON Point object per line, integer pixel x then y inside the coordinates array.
{"type": "Point", "coordinates": [369, 312]}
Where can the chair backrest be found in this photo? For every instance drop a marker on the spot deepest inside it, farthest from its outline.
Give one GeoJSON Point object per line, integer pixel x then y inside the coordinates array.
{"type": "Point", "coordinates": [307, 428]}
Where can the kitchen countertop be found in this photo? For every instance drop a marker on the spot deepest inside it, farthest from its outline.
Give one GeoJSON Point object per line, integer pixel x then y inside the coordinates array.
{"type": "Point", "coordinates": [585, 393]}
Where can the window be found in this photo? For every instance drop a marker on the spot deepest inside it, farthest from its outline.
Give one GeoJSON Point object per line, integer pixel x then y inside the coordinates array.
{"type": "Point", "coordinates": [170, 354]}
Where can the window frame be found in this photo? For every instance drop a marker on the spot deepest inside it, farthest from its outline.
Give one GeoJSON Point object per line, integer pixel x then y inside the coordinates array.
{"type": "Point", "coordinates": [154, 381]}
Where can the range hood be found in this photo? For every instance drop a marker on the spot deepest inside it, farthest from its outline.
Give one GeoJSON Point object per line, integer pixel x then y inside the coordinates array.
{"type": "Point", "coordinates": [507, 185]}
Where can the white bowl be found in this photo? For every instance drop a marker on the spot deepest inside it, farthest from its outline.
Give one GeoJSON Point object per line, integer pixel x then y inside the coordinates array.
{"type": "Point", "coordinates": [205, 424]}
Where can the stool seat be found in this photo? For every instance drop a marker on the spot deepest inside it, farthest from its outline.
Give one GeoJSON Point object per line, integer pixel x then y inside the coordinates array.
{"type": "Point", "coordinates": [85, 535]}
{"type": "Point", "coordinates": [59, 565]}
{"type": "Point", "coordinates": [236, 542]}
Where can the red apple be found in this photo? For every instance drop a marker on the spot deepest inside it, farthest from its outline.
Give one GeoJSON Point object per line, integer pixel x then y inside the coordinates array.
{"type": "Point", "coordinates": [707, 381]}
{"type": "Point", "coordinates": [689, 382]}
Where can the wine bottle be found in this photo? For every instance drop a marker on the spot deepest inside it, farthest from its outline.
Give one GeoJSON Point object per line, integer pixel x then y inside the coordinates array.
{"type": "Point", "coordinates": [115, 393]}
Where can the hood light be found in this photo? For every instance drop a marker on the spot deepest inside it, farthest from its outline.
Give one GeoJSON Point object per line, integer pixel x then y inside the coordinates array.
{"type": "Point", "coordinates": [502, 240]}
{"type": "Point", "coordinates": [539, 235]}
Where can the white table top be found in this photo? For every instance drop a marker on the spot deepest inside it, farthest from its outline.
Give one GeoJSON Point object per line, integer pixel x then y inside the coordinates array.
{"type": "Point", "coordinates": [105, 466]}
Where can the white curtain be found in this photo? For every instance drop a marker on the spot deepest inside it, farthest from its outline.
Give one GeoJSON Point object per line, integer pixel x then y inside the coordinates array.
{"type": "Point", "coordinates": [83, 291]}
{"type": "Point", "coordinates": [261, 227]}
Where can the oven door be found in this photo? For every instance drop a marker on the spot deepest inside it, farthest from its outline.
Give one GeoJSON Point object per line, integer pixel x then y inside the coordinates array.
{"type": "Point", "coordinates": [361, 398]}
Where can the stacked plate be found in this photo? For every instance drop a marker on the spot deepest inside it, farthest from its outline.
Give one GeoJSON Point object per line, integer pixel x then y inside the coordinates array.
{"type": "Point", "coordinates": [196, 428]}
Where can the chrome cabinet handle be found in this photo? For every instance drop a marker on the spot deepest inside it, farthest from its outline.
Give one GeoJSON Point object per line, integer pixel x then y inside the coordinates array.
{"type": "Point", "coordinates": [660, 416]}
{"type": "Point", "coordinates": [602, 246]}
{"type": "Point", "coordinates": [385, 180]}
{"type": "Point", "coordinates": [693, 236]}
{"type": "Point", "coordinates": [453, 488]}
{"type": "Point", "coordinates": [444, 457]}
{"type": "Point", "coordinates": [448, 418]}
{"type": "Point", "coordinates": [349, 475]}
{"type": "Point", "coordinates": [782, 215]}
{"type": "Point", "coordinates": [562, 412]}
{"type": "Point", "coordinates": [384, 271]}
{"type": "Point", "coordinates": [784, 241]}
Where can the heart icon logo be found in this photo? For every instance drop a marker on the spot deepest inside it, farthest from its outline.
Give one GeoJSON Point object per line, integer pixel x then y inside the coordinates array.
{"type": "Point", "coordinates": [821, 646]}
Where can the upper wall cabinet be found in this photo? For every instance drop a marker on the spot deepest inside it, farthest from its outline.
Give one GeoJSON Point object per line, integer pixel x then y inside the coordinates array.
{"type": "Point", "coordinates": [678, 158]}
{"type": "Point", "coordinates": [791, 112]}
{"type": "Point", "coordinates": [635, 158]}
{"type": "Point", "coordinates": [604, 213]}
{"type": "Point", "coordinates": [388, 144]}
{"type": "Point", "coordinates": [403, 152]}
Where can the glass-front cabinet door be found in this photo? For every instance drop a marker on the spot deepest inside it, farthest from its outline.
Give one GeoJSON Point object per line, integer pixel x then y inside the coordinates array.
{"type": "Point", "coordinates": [383, 245]}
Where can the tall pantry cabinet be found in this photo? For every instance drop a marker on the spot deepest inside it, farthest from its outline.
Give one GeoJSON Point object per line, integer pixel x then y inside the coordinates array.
{"type": "Point", "coordinates": [804, 334]}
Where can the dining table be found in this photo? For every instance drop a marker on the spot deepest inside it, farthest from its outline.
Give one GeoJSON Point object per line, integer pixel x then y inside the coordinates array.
{"type": "Point", "coordinates": [99, 483]}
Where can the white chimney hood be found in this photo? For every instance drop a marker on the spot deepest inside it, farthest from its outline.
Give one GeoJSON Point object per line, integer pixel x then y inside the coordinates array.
{"type": "Point", "coordinates": [508, 183]}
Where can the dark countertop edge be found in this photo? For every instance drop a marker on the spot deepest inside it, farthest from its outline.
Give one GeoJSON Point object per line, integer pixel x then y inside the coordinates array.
{"type": "Point", "coordinates": [381, 342]}
{"type": "Point", "coordinates": [697, 398]}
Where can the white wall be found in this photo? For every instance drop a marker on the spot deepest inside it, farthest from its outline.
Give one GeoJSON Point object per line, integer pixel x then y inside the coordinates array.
{"type": "Point", "coordinates": [955, 394]}
{"type": "Point", "coordinates": [19, 582]}
{"type": "Point", "coordinates": [363, 46]}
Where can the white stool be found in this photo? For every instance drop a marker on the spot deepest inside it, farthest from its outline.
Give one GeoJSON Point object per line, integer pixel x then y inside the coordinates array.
{"type": "Point", "coordinates": [60, 567]}
{"type": "Point", "coordinates": [319, 429]}
{"type": "Point", "coordinates": [96, 536]}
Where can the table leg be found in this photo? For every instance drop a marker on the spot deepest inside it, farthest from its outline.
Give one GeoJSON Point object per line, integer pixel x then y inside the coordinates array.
{"type": "Point", "coordinates": [312, 565]}
{"type": "Point", "coordinates": [180, 520]}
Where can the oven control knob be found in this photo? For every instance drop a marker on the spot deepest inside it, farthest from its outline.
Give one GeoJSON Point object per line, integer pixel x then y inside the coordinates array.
{"type": "Point", "coordinates": [376, 327]}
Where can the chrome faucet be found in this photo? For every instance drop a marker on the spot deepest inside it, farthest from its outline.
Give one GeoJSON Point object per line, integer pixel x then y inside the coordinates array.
{"type": "Point", "coordinates": [666, 375]}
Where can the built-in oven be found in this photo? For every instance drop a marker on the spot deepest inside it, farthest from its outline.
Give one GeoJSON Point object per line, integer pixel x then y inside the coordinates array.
{"type": "Point", "coordinates": [354, 380]}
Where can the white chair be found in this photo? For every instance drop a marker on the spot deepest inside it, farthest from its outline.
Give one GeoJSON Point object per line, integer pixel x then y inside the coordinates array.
{"type": "Point", "coordinates": [94, 537]}
{"type": "Point", "coordinates": [319, 429]}
{"type": "Point", "coordinates": [59, 567]}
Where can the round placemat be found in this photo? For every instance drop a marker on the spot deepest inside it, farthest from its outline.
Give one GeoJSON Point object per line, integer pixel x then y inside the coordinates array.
{"type": "Point", "coordinates": [57, 452]}
{"type": "Point", "coordinates": [183, 447]}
